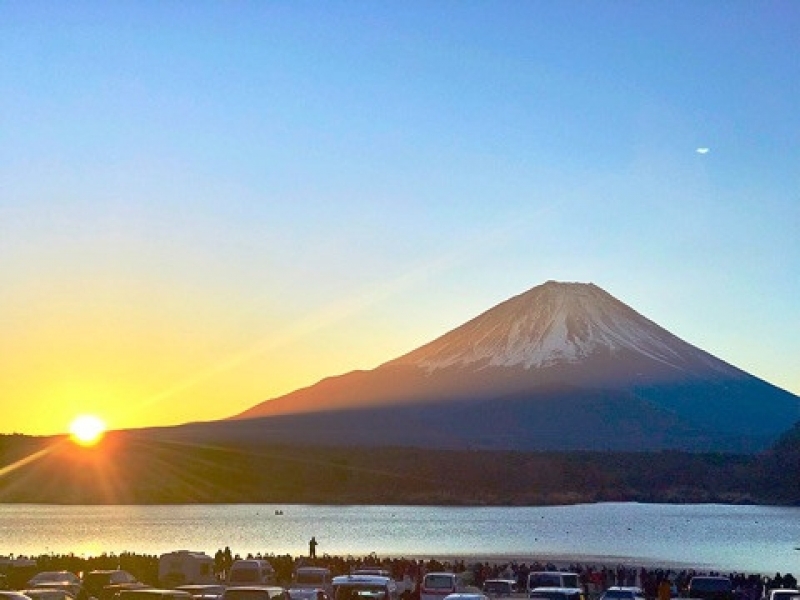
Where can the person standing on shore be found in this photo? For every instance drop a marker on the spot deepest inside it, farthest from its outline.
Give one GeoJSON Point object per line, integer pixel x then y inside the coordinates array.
{"type": "Point", "coordinates": [312, 547]}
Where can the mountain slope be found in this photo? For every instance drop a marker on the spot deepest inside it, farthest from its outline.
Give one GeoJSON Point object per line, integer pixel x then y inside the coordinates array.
{"type": "Point", "coordinates": [556, 349]}
{"type": "Point", "coordinates": [556, 324]}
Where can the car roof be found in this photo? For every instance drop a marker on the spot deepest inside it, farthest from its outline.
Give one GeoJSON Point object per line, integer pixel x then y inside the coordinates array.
{"type": "Point", "coordinates": [342, 579]}
{"type": "Point", "coordinates": [200, 586]}
{"type": "Point", "coordinates": [106, 571]}
{"type": "Point", "coordinates": [313, 569]}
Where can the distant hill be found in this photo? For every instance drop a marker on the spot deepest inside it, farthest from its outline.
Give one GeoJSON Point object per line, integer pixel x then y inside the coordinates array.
{"type": "Point", "coordinates": [563, 366]}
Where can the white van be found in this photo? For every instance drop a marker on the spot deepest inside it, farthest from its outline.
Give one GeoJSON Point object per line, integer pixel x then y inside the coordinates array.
{"type": "Point", "coordinates": [251, 571]}
{"type": "Point", "coordinates": [183, 567]}
{"type": "Point", "coordinates": [435, 586]}
{"type": "Point", "coordinates": [559, 579]}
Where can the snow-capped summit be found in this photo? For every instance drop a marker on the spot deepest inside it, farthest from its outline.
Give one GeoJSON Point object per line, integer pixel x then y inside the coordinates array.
{"type": "Point", "coordinates": [556, 323]}
{"type": "Point", "coordinates": [562, 366]}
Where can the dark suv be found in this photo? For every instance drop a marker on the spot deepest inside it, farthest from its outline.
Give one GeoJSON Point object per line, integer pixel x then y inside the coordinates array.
{"type": "Point", "coordinates": [105, 584]}
{"type": "Point", "coordinates": [710, 588]}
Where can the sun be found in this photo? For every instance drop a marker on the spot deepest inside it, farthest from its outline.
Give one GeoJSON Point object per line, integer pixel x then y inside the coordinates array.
{"type": "Point", "coordinates": [87, 430]}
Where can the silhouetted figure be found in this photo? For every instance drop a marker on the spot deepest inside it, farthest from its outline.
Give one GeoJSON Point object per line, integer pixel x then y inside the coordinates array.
{"type": "Point", "coordinates": [312, 548]}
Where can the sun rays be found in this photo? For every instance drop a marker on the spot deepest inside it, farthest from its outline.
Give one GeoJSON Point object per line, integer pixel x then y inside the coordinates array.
{"type": "Point", "coordinates": [10, 468]}
{"type": "Point", "coordinates": [145, 467]}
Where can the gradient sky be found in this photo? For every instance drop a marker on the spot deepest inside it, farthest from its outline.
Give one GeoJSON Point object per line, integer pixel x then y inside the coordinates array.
{"type": "Point", "coordinates": [207, 204]}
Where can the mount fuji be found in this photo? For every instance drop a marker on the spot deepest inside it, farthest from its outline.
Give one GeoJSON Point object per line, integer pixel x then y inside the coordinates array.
{"type": "Point", "coordinates": [563, 366]}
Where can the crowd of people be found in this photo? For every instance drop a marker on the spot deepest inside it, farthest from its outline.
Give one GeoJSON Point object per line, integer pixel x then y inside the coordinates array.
{"type": "Point", "coordinates": [594, 578]}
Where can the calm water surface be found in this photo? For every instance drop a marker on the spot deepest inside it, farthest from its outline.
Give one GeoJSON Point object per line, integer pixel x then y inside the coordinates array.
{"type": "Point", "coordinates": [742, 538]}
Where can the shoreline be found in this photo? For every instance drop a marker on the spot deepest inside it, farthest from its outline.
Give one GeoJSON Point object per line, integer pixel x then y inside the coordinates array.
{"type": "Point", "coordinates": [563, 561]}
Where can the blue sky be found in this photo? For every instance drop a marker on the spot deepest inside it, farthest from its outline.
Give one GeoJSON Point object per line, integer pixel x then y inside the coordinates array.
{"type": "Point", "coordinates": [206, 204]}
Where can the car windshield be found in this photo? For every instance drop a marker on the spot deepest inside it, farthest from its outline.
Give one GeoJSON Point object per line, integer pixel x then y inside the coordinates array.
{"type": "Point", "coordinates": [615, 594]}
{"type": "Point", "coordinates": [311, 578]}
{"type": "Point", "coordinates": [710, 584]}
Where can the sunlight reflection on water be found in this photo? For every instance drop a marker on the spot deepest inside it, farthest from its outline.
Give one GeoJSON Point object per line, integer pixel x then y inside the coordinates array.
{"type": "Point", "coordinates": [744, 538]}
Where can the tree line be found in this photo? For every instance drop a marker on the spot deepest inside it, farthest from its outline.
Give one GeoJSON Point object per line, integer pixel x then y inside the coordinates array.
{"type": "Point", "coordinates": [132, 468]}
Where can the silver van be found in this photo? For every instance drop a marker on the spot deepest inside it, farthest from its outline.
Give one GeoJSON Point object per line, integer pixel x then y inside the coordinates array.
{"type": "Point", "coordinates": [559, 579]}
{"type": "Point", "coordinates": [435, 586]}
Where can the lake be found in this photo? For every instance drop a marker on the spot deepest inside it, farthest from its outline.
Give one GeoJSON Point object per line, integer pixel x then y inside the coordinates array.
{"type": "Point", "coordinates": [741, 538]}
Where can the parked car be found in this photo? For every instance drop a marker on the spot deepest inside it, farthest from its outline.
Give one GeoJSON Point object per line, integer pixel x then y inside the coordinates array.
{"type": "Point", "coordinates": [498, 588]}
{"type": "Point", "coordinates": [557, 593]}
{"type": "Point", "coordinates": [104, 584]}
{"type": "Point", "coordinates": [706, 587]}
{"type": "Point", "coordinates": [8, 595]}
{"type": "Point", "coordinates": [313, 578]}
{"type": "Point", "coordinates": [251, 572]}
{"type": "Point", "coordinates": [308, 594]}
{"type": "Point", "coordinates": [437, 585]}
{"type": "Point", "coordinates": [617, 592]}
{"type": "Point", "coordinates": [371, 571]}
{"type": "Point", "coordinates": [364, 587]}
{"type": "Point", "coordinates": [47, 594]}
{"type": "Point", "coordinates": [60, 580]}
{"type": "Point", "coordinates": [183, 567]}
{"type": "Point", "coordinates": [154, 594]}
{"type": "Point", "coordinates": [15, 572]}
{"type": "Point", "coordinates": [255, 592]}
{"type": "Point", "coordinates": [561, 579]}
{"type": "Point", "coordinates": [203, 591]}
{"type": "Point", "coordinates": [781, 594]}
{"type": "Point", "coordinates": [403, 585]}
{"type": "Point", "coordinates": [466, 596]}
